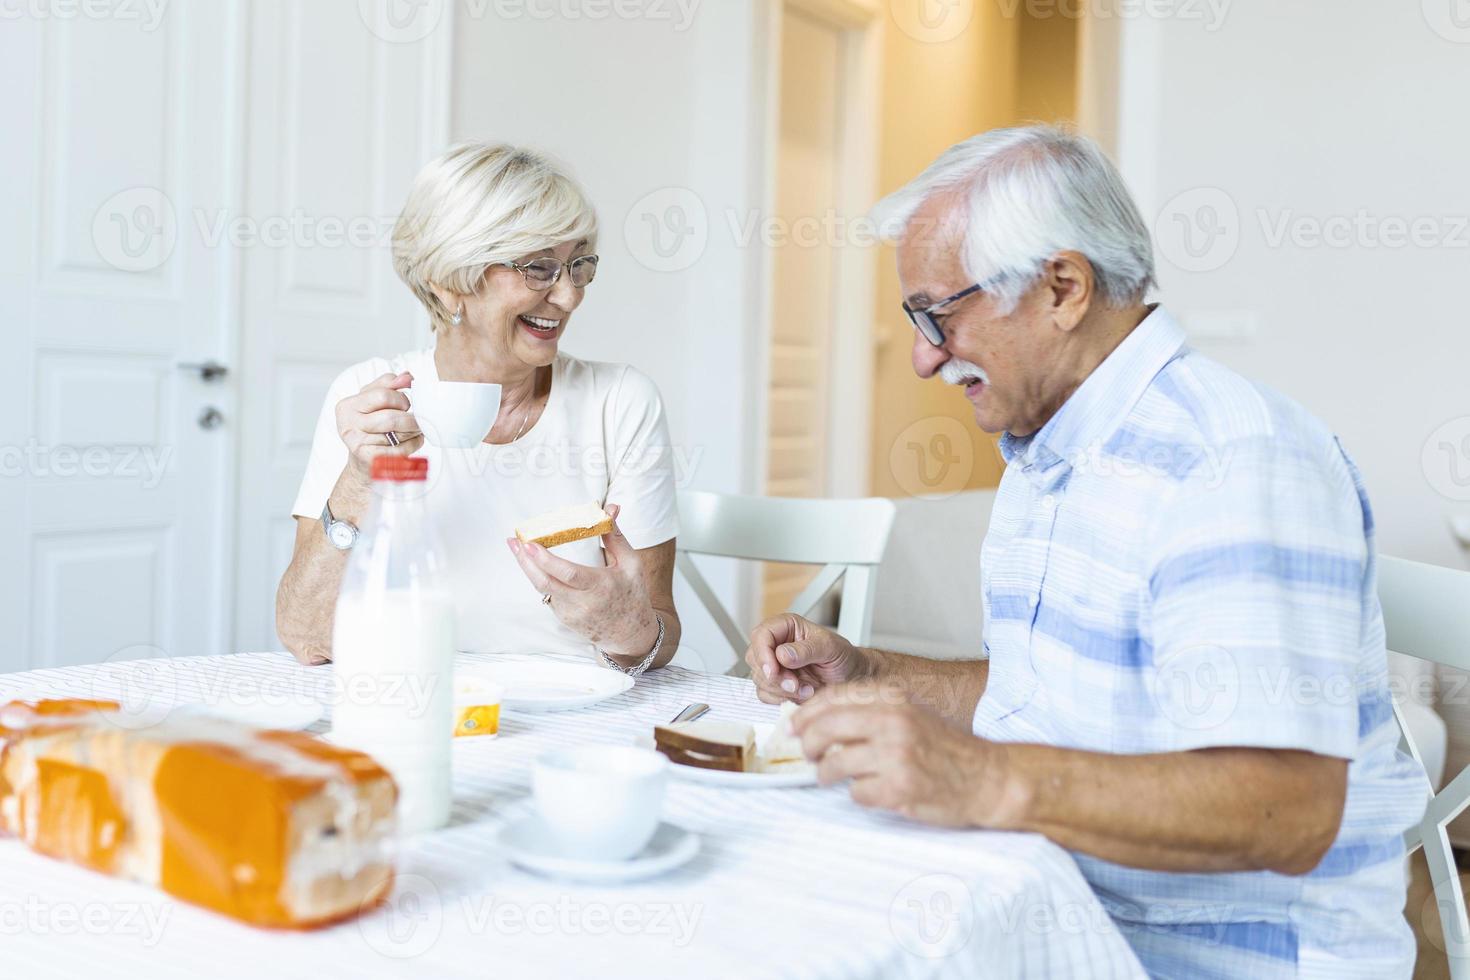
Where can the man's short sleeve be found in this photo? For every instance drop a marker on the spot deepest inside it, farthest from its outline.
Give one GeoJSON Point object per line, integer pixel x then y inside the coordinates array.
{"type": "Point", "coordinates": [1256, 585]}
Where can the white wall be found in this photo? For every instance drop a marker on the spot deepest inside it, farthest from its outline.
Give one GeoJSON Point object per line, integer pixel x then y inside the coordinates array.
{"type": "Point", "coordinates": [1306, 112]}
{"type": "Point", "coordinates": [653, 114]}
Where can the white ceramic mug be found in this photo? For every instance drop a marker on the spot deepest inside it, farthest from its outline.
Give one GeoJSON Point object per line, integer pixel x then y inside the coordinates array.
{"type": "Point", "coordinates": [454, 414]}
{"type": "Point", "coordinates": [601, 802]}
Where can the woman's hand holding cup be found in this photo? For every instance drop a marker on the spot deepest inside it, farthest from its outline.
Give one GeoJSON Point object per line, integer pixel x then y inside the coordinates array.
{"type": "Point", "coordinates": [365, 419]}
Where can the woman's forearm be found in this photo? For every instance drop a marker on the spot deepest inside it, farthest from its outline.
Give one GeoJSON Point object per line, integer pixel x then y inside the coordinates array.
{"type": "Point", "coordinates": [307, 596]}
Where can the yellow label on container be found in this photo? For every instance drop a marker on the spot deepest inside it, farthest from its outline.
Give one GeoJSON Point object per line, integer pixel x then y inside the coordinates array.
{"type": "Point", "coordinates": [480, 719]}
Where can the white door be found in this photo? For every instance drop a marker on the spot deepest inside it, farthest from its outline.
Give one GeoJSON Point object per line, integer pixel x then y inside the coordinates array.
{"type": "Point", "coordinates": [113, 455]}
{"type": "Point", "coordinates": [342, 114]}
{"type": "Point", "coordinates": [821, 287]}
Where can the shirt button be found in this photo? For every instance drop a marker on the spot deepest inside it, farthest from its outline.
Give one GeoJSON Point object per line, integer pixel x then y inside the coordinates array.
{"type": "Point", "coordinates": [1032, 601]}
{"type": "Point", "coordinates": [1049, 501]}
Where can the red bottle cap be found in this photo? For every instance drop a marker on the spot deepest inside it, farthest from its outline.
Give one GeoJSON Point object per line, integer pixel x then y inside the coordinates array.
{"type": "Point", "coordinates": [400, 469]}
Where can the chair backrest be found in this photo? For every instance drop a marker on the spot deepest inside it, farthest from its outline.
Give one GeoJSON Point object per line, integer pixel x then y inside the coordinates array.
{"type": "Point", "coordinates": [847, 537]}
{"type": "Point", "coordinates": [1426, 612]}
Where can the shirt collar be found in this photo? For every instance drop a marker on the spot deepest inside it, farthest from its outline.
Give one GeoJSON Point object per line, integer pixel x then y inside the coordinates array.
{"type": "Point", "coordinates": [1100, 404]}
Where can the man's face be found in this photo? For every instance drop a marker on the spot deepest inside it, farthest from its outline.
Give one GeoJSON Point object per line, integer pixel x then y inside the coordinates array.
{"type": "Point", "coordinates": [1013, 350]}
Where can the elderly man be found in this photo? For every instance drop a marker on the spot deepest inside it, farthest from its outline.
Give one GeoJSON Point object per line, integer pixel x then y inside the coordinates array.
{"type": "Point", "coordinates": [1185, 681]}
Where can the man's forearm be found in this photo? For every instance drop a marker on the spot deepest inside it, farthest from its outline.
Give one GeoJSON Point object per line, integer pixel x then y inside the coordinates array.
{"type": "Point", "coordinates": [1228, 809]}
{"type": "Point", "coordinates": [950, 688]}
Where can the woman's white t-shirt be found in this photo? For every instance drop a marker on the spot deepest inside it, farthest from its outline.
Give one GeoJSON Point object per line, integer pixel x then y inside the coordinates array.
{"type": "Point", "coordinates": [602, 437]}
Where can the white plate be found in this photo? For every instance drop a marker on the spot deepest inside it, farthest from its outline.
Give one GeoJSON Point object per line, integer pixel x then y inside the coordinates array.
{"type": "Point", "coordinates": [291, 716]}
{"type": "Point", "coordinates": [801, 776]}
{"type": "Point", "coordinates": [540, 687]}
{"type": "Point", "coordinates": [528, 844]}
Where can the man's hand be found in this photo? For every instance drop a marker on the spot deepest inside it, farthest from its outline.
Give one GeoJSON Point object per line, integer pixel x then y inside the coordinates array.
{"type": "Point", "coordinates": [904, 758]}
{"type": "Point", "coordinates": [792, 658]}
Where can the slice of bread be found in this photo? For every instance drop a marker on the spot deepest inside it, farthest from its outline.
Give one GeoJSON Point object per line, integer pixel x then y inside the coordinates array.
{"type": "Point", "coordinates": [781, 747]}
{"type": "Point", "coordinates": [565, 525]}
{"type": "Point", "coordinates": [725, 745]}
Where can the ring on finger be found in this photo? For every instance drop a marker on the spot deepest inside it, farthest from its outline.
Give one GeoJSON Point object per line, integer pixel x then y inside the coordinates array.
{"type": "Point", "coordinates": [392, 438]}
{"type": "Point", "coordinates": [546, 598]}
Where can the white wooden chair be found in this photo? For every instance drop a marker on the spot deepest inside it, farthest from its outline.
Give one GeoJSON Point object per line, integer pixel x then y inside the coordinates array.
{"type": "Point", "coordinates": [846, 536]}
{"type": "Point", "coordinates": [1426, 610]}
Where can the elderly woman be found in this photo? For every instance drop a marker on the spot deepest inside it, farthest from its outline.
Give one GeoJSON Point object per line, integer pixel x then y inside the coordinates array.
{"type": "Point", "coordinates": [498, 244]}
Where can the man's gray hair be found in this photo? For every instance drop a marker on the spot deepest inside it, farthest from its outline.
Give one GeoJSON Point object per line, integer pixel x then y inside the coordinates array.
{"type": "Point", "coordinates": [1034, 191]}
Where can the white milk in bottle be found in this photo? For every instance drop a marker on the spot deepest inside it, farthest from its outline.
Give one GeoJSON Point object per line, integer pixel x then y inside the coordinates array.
{"type": "Point", "coordinates": [393, 646]}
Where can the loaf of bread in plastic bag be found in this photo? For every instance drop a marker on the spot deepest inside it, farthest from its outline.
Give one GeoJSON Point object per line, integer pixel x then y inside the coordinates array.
{"type": "Point", "coordinates": [272, 828]}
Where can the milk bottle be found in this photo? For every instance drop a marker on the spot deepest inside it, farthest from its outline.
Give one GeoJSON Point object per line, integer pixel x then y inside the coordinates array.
{"type": "Point", "coordinates": [393, 646]}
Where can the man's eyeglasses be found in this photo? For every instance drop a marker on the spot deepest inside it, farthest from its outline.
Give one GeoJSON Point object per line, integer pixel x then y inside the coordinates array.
{"type": "Point", "coordinates": [541, 274]}
{"type": "Point", "coordinates": [923, 320]}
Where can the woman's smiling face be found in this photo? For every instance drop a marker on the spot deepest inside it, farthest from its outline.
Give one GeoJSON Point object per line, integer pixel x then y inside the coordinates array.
{"type": "Point", "coordinates": [517, 321]}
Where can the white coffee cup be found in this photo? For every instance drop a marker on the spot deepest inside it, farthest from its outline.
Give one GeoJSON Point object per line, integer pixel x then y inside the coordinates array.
{"type": "Point", "coordinates": [601, 802]}
{"type": "Point", "coordinates": [454, 414]}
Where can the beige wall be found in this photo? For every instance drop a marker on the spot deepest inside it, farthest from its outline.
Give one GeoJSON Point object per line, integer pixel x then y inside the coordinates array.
{"type": "Point", "coordinates": [997, 72]}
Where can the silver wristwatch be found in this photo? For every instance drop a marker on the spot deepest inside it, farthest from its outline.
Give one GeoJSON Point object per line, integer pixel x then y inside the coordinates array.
{"type": "Point", "coordinates": [342, 534]}
{"type": "Point", "coordinates": [643, 664]}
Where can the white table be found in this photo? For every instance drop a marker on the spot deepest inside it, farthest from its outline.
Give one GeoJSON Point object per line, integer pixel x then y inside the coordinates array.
{"type": "Point", "coordinates": [798, 883]}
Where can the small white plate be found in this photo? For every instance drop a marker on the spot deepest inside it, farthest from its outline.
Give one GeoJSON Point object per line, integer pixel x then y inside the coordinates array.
{"type": "Point", "coordinates": [540, 687]}
{"type": "Point", "coordinates": [527, 843]}
{"type": "Point", "coordinates": [784, 779]}
{"type": "Point", "coordinates": [290, 716]}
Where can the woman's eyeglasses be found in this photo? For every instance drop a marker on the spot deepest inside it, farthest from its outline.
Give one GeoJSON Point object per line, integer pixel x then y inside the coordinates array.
{"type": "Point", "coordinates": [542, 274]}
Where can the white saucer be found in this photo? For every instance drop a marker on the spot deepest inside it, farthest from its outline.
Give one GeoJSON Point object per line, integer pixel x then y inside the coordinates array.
{"type": "Point", "coordinates": [287, 716]}
{"type": "Point", "coordinates": [541, 686]}
{"type": "Point", "coordinates": [528, 844]}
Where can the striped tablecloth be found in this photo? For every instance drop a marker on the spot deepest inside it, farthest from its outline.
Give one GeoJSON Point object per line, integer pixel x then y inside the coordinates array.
{"type": "Point", "coordinates": [791, 883]}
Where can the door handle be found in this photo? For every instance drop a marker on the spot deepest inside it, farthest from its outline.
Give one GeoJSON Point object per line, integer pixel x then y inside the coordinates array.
{"type": "Point", "coordinates": [211, 418]}
{"type": "Point", "coordinates": [210, 370]}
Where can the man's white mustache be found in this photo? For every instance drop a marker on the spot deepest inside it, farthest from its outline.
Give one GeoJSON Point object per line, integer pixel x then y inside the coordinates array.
{"type": "Point", "coordinates": [955, 371]}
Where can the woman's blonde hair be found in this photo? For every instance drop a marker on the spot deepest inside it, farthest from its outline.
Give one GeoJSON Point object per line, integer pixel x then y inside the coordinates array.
{"type": "Point", "coordinates": [479, 204]}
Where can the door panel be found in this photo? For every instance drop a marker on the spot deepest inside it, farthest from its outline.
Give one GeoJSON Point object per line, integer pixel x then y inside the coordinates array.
{"type": "Point", "coordinates": [333, 165]}
{"type": "Point", "coordinates": [113, 495]}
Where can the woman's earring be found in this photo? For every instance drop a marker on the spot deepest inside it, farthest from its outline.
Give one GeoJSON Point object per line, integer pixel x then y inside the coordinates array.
{"type": "Point", "coordinates": [458, 318]}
